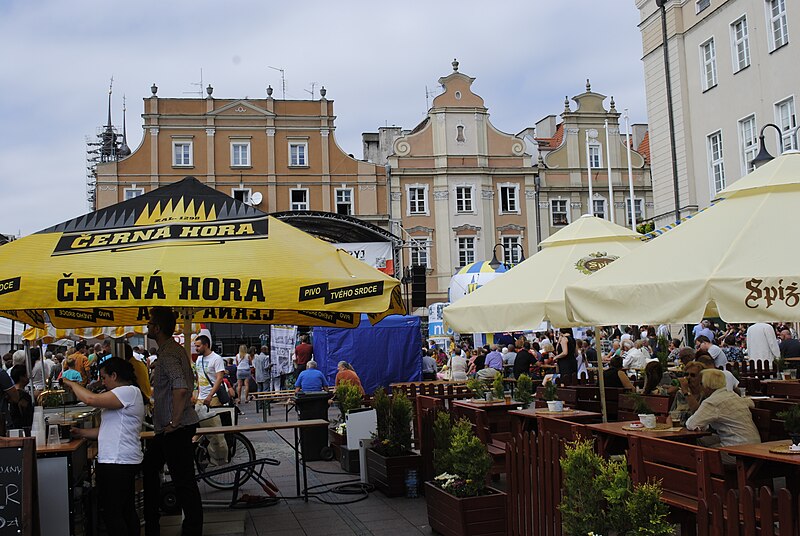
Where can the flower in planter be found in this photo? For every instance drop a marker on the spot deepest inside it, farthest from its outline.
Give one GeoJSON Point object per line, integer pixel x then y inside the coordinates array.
{"type": "Point", "coordinates": [463, 460]}
{"type": "Point", "coordinates": [341, 428]}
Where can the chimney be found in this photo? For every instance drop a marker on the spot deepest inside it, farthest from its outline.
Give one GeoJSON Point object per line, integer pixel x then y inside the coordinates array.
{"type": "Point", "coordinates": [546, 127]}
{"type": "Point", "coordinates": [638, 130]}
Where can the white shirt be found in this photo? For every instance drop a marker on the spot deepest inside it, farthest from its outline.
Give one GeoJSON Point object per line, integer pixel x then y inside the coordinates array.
{"type": "Point", "coordinates": [151, 358]}
{"type": "Point", "coordinates": [625, 336]}
{"type": "Point", "coordinates": [635, 359]}
{"type": "Point", "coordinates": [209, 365]}
{"type": "Point", "coordinates": [458, 368]}
{"type": "Point", "coordinates": [118, 440]}
{"type": "Point", "coordinates": [762, 342]}
{"type": "Point", "coordinates": [720, 359]}
{"type": "Point", "coordinates": [730, 380]}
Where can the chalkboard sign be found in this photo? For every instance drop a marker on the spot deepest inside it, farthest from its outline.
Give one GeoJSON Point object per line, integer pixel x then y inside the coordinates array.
{"type": "Point", "coordinates": [17, 486]}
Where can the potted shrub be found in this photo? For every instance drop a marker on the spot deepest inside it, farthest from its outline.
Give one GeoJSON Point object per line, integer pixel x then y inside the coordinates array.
{"type": "Point", "coordinates": [551, 396]}
{"type": "Point", "coordinates": [459, 502]}
{"type": "Point", "coordinates": [791, 423]}
{"type": "Point", "coordinates": [349, 398]}
{"type": "Point", "coordinates": [598, 497]}
{"type": "Point", "coordinates": [643, 410]}
{"type": "Point", "coordinates": [498, 389]}
{"type": "Point", "coordinates": [524, 390]}
{"type": "Point", "coordinates": [477, 387]}
{"type": "Point", "coordinates": [390, 458]}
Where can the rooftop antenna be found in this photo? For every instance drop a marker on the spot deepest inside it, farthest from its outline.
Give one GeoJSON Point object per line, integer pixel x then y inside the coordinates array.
{"type": "Point", "coordinates": [110, 88]}
{"type": "Point", "coordinates": [429, 93]}
{"type": "Point", "coordinates": [283, 80]}
{"type": "Point", "coordinates": [313, 85]}
{"type": "Point", "coordinates": [199, 85]}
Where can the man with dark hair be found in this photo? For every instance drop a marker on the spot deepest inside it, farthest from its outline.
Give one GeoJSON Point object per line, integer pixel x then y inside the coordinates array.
{"type": "Point", "coordinates": [210, 370]}
{"type": "Point", "coordinates": [304, 353]}
{"type": "Point", "coordinates": [704, 343]}
{"type": "Point", "coordinates": [175, 422]}
{"type": "Point", "coordinates": [21, 412]}
{"type": "Point", "coordinates": [789, 346]}
{"type": "Point", "coordinates": [82, 364]}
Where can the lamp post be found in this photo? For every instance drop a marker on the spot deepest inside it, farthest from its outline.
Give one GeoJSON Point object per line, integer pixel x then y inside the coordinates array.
{"type": "Point", "coordinates": [630, 168]}
{"type": "Point", "coordinates": [495, 262]}
{"type": "Point", "coordinates": [608, 164]}
{"type": "Point", "coordinates": [763, 155]}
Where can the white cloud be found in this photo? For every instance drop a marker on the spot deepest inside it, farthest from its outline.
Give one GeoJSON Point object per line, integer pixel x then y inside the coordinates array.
{"type": "Point", "coordinates": [374, 58]}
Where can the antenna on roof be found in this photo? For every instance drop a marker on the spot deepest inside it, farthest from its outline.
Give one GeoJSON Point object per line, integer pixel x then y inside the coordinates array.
{"type": "Point", "coordinates": [199, 85]}
{"type": "Point", "coordinates": [313, 85]}
{"type": "Point", "coordinates": [283, 80]}
{"type": "Point", "coordinates": [429, 93]}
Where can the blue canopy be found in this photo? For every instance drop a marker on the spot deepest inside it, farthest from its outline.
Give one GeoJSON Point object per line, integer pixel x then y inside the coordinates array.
{"type": "Point", "coordinates": [388, 352]}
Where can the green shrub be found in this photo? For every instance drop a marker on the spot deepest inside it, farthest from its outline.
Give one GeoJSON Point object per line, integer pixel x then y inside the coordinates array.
{"type": "Point", "coordinates": [524, 390]}
{"type": "Point", "coordinates": [646, 513]}
{"type": "Point", "coordinates": [640, 405]}
{"type": "Point", "coordinates": [550, 392]}
{"type": "Point", "coordinates": [582, 503]}
{"type": "Point", "coordinates": [616, 486]}
{"type": "Point", "coordinates": [442, 433]}
{"type": "Point", "coordinates": [477, 387]}
{"type": "Point", "coordinates": [393, 431]}
{"type": "Point", "coordinates": [498, 389]}
{"type": "Point", "coordinates": [348, 395]}
{"type": "Point", "coordinates": [791, 419]}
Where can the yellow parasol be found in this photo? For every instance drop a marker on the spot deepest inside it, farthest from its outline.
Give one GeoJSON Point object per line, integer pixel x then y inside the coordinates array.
{"type": "Point", "coordinates": [734, 260]}
{"type": "Point", "coordinates": [191, 247]}
{"type": "Point", "coordinates": [533, 291]}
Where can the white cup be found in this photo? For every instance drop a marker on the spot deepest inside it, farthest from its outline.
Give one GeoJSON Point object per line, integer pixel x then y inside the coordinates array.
{"type": "Point", "coordinates": [53, 435]}
{"type": "Point", "coordinates": [16, 432]}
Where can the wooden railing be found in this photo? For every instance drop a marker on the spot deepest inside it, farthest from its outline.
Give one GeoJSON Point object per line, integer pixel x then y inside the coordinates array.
{"type": "Point", "coordinates": [761, 514]}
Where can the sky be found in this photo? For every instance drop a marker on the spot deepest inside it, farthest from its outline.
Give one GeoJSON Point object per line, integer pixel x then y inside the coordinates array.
{"type": "Point", "coordinates": [376, 60]}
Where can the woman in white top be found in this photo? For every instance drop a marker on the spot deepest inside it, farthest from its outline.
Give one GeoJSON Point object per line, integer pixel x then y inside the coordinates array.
{"type": "Point", "coordinates": [119, 449]}
{"type": "Point", "coordinates": [243, 361]}
{"type": "Point", "coordinates": [458, 367]}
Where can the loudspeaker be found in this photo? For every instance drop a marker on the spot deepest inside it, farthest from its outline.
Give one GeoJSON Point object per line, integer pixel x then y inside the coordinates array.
{"type": "Point", "coordinates": [418, 289]}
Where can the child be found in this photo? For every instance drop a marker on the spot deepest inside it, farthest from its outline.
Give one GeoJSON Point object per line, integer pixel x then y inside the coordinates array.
{"type": "Point", "coordinates": [70, 373]}
{"type": "Point", "coordinates": [21, 413]}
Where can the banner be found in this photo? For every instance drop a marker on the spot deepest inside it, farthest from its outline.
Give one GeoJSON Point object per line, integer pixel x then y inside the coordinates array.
{"type": "Point", "coordinates": [436, 328]}
{"type": "Point", "coordinates": [281, 348]}
{"type": "Point", "coordinates": [376, 254]}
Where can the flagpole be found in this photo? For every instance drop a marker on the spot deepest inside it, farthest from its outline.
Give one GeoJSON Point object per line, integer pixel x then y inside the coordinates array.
{"type": "Point", "coordinates": [589, 174]}
{"type": "Point", "coordinates": [608, 163]}
{"type": "Point", "coordinates": [630, 169]}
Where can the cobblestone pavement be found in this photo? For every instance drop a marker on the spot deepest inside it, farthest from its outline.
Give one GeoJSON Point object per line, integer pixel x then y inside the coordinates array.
{"type": "Point", "coordinates": [375, 515]}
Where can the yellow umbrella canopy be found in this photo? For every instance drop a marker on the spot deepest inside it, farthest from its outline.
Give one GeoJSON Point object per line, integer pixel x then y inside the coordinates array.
{"type": "Point", "coordinates": [533, 291]}
{"type": "Point", "coordinates": [191, 247]}
{"type": "Point", "coordinates": [734, 260]}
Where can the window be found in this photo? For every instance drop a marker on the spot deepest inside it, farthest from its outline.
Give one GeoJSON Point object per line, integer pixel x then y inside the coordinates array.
{"type": "Point", "coordinates": [700, 5]}
{"type": "Point", "coordinates": [599, 207]}
{"type": "Point", "coordinates": [559, 211]}
{"type": "Point", "coordinates": [595, 160]}
{"type": "Point", "coordinates": [638, 207]}
{"type": "Point", "coordinates": [464, 199]}
{"type": "Point", "coordinates": [708, 56]}
{"type": "Point", "coordinates": [466, 250]}
{"type": "Point", "coordinates": [298, 154]}
{"type": "Point", "coordinates": [715, 164]}
{"type": "Point", "coordinates": [417, 199]}
{"type": "Point", "coordinates": [740, 40]}
{"type": "Point", "coordinates": [344, 201]}
{"type": "Point", "coordinates": [512, 250]}
{"type": "Point", "coordinates": [419, 252]}
{"type": "Point", "coordinates": [748, 137]}
{"type": "Point", "coordinates": [132, 192]}
{"type": "Point", "coordinates": [241, 194]}
{"type": "Point", "coordinates": [298, 199]}
{"type": "Point", "coordinates": [508, 198]}
{"type": "Point", "coordinates": [182, 154]}
{"type": "Point", "coordinates": [240, 154]}
{"type": "Point", "coordinates": [787, 120]}
{"type": "Point", "coordinates": [779, 33]}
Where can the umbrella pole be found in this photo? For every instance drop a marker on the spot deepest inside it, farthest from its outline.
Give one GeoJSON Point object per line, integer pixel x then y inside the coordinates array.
{"type": "Point", "coordinates": [30, 370]}
{"type": "Point", "coordinates": [187, 332]}
{"type": "Point", "coordinates": [600, 380]}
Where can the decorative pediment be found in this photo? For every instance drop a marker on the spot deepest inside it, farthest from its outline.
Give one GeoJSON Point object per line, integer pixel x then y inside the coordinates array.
{"type": "Point", "coordinates": [466, 229]}
{"type": "Point", "coordinates": [419, 229]}
{"type": "Point", "coordinates": [241, 108]}
{"type": "Point", "coordinates": [510, 227]}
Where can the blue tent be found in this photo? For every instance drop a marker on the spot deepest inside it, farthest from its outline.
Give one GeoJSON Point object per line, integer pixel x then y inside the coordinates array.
{"type": "Point", "coordinates": [388, 352]}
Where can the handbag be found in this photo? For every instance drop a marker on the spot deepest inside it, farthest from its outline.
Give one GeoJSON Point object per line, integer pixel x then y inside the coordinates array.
{"type": "Point", "coordinates": [222, 391]}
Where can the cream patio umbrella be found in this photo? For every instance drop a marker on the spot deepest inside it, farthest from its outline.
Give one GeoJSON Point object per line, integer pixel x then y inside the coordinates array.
{"type": "Point", "coordinates": [533, 291]}
{"type": "Point", "coordinates": [735, 260]}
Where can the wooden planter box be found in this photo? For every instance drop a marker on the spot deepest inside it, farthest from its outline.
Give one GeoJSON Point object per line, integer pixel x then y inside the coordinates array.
{"type": "Point", "coordinates": [484, 515]}
{"type": "Point", "coordinates": [388, 474]}
{"type": "Point", "coordinates": [348, 459]}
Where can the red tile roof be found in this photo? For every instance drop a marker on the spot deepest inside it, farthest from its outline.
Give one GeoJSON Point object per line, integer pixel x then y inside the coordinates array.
{"type": "Point", "coordinates": [555, 141]}
{"type": "Point", "coordinates": [644, 147]}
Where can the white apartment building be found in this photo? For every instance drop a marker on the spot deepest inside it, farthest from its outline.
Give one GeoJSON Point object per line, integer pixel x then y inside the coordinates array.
{"type": "Point", "coordinates": [734, 68]}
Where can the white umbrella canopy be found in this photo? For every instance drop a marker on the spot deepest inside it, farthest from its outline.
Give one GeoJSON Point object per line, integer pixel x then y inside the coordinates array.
{"type": "Point", "coordinates": [533, 291]}
{"type": "Point", "coordinates": [734, 260]}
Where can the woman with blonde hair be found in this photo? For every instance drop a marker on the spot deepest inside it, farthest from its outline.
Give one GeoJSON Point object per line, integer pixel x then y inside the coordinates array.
{"type": "Point", "coordinates": [243, 363]}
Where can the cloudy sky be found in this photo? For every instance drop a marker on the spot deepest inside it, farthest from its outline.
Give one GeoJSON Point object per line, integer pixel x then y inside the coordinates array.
{"type": "Point", "coordinates": [375, 59]}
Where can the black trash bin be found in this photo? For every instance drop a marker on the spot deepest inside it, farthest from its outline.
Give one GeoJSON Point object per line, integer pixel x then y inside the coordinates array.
{"type": "Point", "coordinates": [313, 440]}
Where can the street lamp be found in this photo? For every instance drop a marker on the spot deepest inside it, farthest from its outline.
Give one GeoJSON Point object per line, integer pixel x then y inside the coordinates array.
{"type": "Point", "coordinates": [495, 262]}
{"type": "Point", "coordinates": [763, 155]}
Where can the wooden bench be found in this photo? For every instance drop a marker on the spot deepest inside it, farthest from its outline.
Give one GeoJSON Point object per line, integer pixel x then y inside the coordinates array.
{"type": "Point", "coordinates": [589, 399]}
{"type": "Point", "coordinates": [283, 398]}
{"type": "Point", "coordinates": [784, 389]}
{"type": "Point", "coordinates": [688, 473]}
{"type": "Point", "coordinates": [658, 403]}
{"type": "Point", "coordinates": [565, 394]}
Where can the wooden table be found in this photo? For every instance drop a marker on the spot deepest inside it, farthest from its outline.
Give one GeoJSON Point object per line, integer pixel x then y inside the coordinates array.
{"type": "Point", "coordinates": [297, 426]}
{"type": "Point", "coordinates": [496, 413]}
{"type": "Point", "coordinates": [756, 460]}
{"type": "Point", "coordinates": [609, 432]}
{"type": "Point", "coordinates": [526, 420]}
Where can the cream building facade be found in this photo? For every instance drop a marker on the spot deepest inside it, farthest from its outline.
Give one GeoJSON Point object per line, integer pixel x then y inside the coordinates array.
{"type": "Point", "coordinates": [733, 68]}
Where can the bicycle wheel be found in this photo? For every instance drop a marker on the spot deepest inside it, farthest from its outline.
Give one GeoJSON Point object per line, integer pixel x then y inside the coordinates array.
{"type": "Point", "coordinates": [240, 450]}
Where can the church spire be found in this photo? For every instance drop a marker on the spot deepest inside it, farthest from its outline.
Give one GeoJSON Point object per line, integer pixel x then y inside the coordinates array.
{"type": "Point", "coordinates": [124, 150]}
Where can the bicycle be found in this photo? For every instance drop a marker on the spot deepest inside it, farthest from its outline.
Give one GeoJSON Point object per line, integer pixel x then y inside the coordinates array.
{"type": "Point", "coordinates": [240, 451]}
